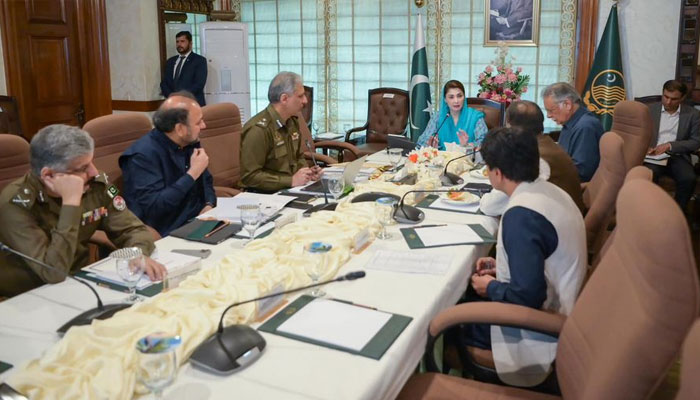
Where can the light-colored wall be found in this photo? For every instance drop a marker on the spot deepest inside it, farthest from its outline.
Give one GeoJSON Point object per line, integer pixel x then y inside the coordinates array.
{"type": "Point", "coordinates": [3, 84]}
{"type": "Point", "coordinates": [132, 28]}
{"type": "Point", "coordinates": [649, 40]}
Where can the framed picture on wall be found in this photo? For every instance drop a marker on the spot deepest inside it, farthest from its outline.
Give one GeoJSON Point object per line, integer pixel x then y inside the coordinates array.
{"type": "Point", "coordinates": [515, 22]}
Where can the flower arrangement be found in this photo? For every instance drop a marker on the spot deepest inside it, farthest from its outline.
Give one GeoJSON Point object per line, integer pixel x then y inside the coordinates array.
{"type": "Point", "coordinates": [500, 81]}
{"type": "Point", "coordinates": [423, 155]}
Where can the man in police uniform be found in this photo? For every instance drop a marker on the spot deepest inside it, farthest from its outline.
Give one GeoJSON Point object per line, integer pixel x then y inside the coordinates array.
{"type": "Point", "coordinates": [272, 152]}
{"type": "Point", "coordinates": [51, 213]}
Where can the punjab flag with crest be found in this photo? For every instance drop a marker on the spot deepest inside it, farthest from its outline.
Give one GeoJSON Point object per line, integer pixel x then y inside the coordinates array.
{"type": "Point", "coordinates": [420, 88]}
{"type": "Point", "coordinates": [605, 85]}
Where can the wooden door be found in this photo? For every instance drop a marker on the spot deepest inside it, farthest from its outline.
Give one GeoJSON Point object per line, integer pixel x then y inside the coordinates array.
{"type": "Point", "coordinates": [51, 53]}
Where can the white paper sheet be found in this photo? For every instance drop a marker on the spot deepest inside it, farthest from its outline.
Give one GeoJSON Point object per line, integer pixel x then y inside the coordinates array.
{"type": "Point", "coordinates": [409, 262]}
{"type": "Point", "coordinates": [337, 323]}
{"type": "Point", "coordinates": [447, 234]}
{"type": "Point", "coordinates": [106, 269]}
{"type": "Point", "coordinates": [227, 207]}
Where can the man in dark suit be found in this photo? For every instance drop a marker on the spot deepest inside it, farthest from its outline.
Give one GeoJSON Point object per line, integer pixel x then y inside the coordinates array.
{"type": "Point", "coordinates": [676, 131]}
{"type": "Point", "coordinates": [186, 71]}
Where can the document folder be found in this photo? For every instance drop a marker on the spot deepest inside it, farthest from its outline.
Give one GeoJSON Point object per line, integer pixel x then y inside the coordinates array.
{"type": "Point", "coordinates": [374, 348]}
{"type": "Point", "coordinates": [414, 242]}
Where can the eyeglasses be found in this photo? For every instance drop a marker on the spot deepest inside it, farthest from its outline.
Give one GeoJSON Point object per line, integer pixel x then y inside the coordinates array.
{"type": "Point", "coordinates": [81, 170]}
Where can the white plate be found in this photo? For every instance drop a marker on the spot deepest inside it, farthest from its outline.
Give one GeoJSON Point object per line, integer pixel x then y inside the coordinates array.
{"type": "Point", "coordinates": [467, 200]}
{"type": "Point", "coordinates": [478, 173]}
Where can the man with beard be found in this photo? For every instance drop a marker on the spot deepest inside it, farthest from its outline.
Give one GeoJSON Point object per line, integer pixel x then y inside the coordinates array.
{"type": "Point", "coordinates": [166, 181]}
{"type": "Point", "coordinates": [185, 71]}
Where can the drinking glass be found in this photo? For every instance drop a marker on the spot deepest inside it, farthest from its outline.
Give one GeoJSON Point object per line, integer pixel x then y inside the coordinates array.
{"type": "Point", "coordinates": [250, 218]}
{"type": "Point", "coordinates": [130, 266]}
{"type": "Point", "coordinates": [315, 128]}
{"type": "Point", "coordinates": [316, 264]}
{"type": "Point", "coordinates": [384, 208]}
{"type": "Point", "coordinates": [395, 157]}
{"type": "Point", "coordinates": [335, 183]}
{"type": "Point", "coordinates": [156, 362]}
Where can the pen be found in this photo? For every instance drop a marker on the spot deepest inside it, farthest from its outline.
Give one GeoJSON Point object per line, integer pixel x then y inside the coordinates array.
{"type": "Point", "coordinates": [428, 226]}
{"type": "Point", "coordinates": [355, 304]}
{"type": "Point", "coordinates": [222, 226]}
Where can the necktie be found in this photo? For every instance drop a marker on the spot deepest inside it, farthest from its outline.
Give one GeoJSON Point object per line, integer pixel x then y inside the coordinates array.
{"type": "Point", "coordinates": [179, 68]}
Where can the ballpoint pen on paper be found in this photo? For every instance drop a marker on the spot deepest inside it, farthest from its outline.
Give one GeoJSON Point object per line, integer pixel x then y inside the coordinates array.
{"type": "Point", "coordinates": [220, 227]}
{"type": "Point", "coordinates": [429, 226]}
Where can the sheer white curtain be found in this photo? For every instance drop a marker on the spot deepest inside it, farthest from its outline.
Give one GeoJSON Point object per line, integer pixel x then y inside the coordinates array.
{"type": "Point", "coordinates": [343, 48]}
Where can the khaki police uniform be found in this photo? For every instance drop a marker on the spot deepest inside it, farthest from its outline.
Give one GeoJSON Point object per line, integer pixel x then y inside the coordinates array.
{"type": "Point", "coordinates": [38, 225]}
{"type": "Point", "coordinates": [271, 151]}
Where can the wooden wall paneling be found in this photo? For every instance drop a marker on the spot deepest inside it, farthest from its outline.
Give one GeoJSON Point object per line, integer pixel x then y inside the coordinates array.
{"type": "Point", "coordinates": [141, 106]}
{"type": "Point", "coordinates": [97, 88]}
{"type": "Point", "coordinates": [586, 43]}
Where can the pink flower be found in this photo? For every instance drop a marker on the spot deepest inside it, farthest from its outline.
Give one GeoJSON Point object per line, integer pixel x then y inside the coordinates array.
{"type": "Point", "coordinates": [482, 76]}
{"type": "Point", "coordinates": [488, 69]}
{"type": "Point", "coordinates": [488, 81]}
{"type": "Point", "coordinates": [512, 77]}
{"type": "Point", "coordinates": [508, 93]}
{"type": "Point", "coordinates": [484, 95]}
{"type": "Point", "coordinates": [520, 69]}
{"type": "Point", "coordinates": [525, 89]}
{"type": "Point", "coordinates": [500, 79]}
{"type": "Point", "coordinates": [495, 96]}
{"type": "Point", "coordinates": [509, 71]}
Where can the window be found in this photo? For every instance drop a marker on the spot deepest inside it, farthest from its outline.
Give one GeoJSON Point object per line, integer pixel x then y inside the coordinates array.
{"type": "Point", "coordinates": [343, 48]}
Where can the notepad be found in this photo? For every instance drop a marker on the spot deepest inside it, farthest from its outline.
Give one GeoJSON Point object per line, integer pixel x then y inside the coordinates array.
{"type": "Point", "coordinates": [409, 262]}
{"type": "Point", "coordinates": [337, 323]}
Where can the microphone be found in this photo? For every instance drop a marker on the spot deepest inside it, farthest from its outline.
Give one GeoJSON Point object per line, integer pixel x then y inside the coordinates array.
{"type": "Point", "coordinates": [440, 126]}
{"type": "Point", "coordinates": [325, 205]}
{"type": "Point", "coordinates": [448, 178]}
{"type": "Point", "coordinates": [405, 214]}
{"type": "Point", "coordinates": [237, 346]}
{"type": "Point", "coordinates": [99, 312]}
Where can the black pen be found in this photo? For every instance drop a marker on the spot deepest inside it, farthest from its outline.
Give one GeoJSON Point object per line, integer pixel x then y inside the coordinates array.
{"type": "Point", "coordinates": [428, 226]}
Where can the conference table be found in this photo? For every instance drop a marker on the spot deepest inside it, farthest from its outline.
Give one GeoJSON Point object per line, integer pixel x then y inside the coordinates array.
{"type": "Point", "coordinates": [287, 369]}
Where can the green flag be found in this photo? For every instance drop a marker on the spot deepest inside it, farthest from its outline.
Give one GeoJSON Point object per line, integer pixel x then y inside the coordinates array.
{"type": "Point", "coordinates": [420, 88]}
{"type": "Point", "coordinates": [605, 85]}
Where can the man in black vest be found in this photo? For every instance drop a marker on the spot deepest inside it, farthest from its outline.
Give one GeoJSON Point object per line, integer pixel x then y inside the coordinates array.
{"type": "Point", "coordinates": [185, 71]}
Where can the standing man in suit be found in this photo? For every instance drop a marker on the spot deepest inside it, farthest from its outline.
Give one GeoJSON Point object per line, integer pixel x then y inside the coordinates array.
{"type": "Point", "coordinates": [676, 131]}
{"type": "Point", "coordinates": [185, 71]}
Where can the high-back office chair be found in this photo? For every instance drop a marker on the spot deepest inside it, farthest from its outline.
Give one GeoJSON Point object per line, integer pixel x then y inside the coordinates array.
{"type": "Point", "coordinates": [632, 123]}
{"type": "Point", "coordinates": [626, 326]}
{"type": "Point", "coordinates": [9, 116]}
{"type": "Point", "coordinates": [14, 158]}
{"type": "Point", "coordinates": [690, 365]}
{"type": "Point", "coordinates": [600, 193]}
{"type": "Point", "coordinates": [113, 134]}
{"type": "Point", "coordinates": [387, 113]}
{"type": "Point", "coordinates": [221, 139]}
{"type": "Point", "coordinates": [494, 111]}
{"type": "Point", "coordinates": [308, 111]}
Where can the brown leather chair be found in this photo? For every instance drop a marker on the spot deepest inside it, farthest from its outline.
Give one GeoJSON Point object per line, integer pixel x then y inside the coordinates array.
{"type": "Point", "coordinates": [626, 326]}
{"type": "Point", "coordinates": [345, 151]}
{"type": "Point", "coordinates": [113, 134]}
{"type": "Point", "coordinates": [9, 116]}
{"type": "Point", "coordinates": [222, 141]}
{"type": "Point", "coordinates": [600, 193]}
{"type": "Point", "coordinates": [632, 122]}
{"type": "Point", "coordinates": [308, 111]}
{"type": "Point", "coordinates": [494, 111]}
{"type": "Point", "coordinates": [14, 158]}
{"type": "Point", "coordinates": [690, 365]}
{"type": "Point", "coordinates": [387, 113]}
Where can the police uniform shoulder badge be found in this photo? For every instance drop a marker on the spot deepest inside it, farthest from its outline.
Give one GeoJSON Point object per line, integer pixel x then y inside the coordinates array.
{"type": "Point", "coordinates": [112, 191]}
{"type": "Point", "coordinates": [295, 135]}
{"type": "Point", "coordinates": [21, 201]}
{"type": "Point", "coordinates": [262, 122]}
{"type": "Point", "coordinates": [119, 203]}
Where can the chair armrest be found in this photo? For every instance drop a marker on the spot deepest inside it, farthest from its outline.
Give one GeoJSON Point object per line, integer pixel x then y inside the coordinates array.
{"type": "Point", "coordinates": [320, 158]}
{"type": "Point", "coordinates": [222, 191]}
{"type": "Point", "coordinates": [338, 145]}
{"type": "Point", "coordinates": [356, 129]}
{"type": "Point", "coordinates": [496, 313]}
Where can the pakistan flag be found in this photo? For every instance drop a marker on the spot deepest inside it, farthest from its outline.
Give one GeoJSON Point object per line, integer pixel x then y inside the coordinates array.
{"type": "Point", "coordinates": [420, 88]}
{"type": "Point", "coordinates": [606, 83]}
